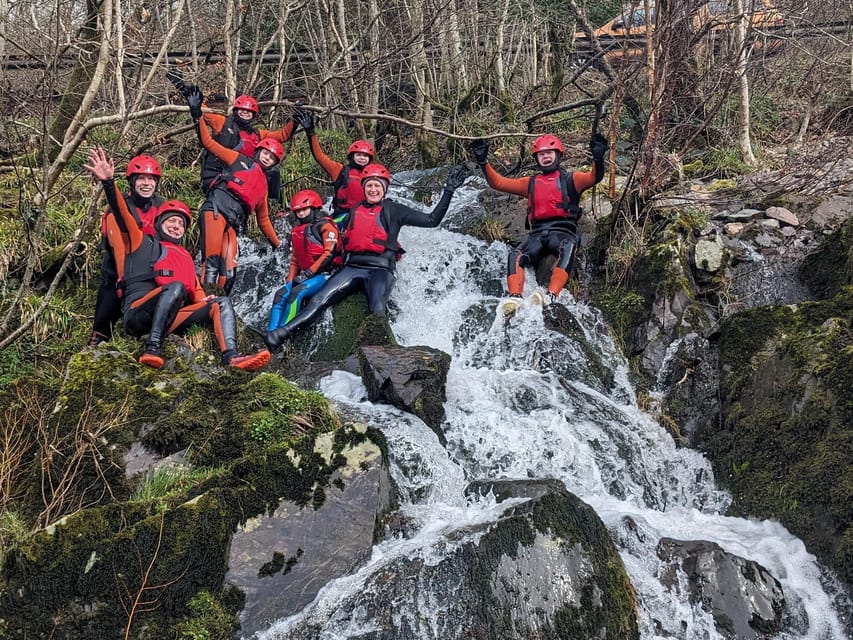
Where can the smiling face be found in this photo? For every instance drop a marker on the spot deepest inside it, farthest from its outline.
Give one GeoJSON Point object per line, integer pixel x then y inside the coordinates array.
{"type": "Point", "coordinates": [144, 185]}
{"type": "Point", "coordinates": [174, 226]}
{"type": "Point", "coordinates": [374, 190]}
{"type": "Point", "coordinates": [244, 114]}
{"type": "Point", "coordinates": [361, 159]}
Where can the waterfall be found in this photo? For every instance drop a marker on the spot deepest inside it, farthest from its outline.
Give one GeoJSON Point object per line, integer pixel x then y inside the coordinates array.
{"type": "Point", "coordinates": [522, 403]}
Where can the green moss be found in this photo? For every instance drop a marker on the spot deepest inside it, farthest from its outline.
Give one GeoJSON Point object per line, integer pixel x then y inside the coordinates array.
{"type": "Point", "coordinates": [787, 437]}
{"type": "Point", "coordinates": [208, 620]}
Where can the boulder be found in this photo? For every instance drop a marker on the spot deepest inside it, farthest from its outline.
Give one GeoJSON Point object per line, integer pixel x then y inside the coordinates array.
{"type": "Point", "coordinates": [744, 599]}
{"type": "Point", "coordinates": [410, 378]}
{"type": "Point", "coordinates": [547, 568]}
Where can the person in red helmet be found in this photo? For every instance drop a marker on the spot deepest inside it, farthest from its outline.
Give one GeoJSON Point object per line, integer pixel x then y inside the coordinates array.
{"type": "Point", "coordinates": [316, 249]}
{"type": "Point", "coordinates": [371, 248]}
{"type": "Point", "coordinates": [162, 294]}
{"type": "Point", "coordinates": [143, 176]}
{"type": "Point", "coordinates": [346, 178]}
{"type": "Point", "coordinates": [237, 131]}
{"type": "Point", "coordinates": [553, 208]}
{"type": "Point", "coordinates": [238, 191]}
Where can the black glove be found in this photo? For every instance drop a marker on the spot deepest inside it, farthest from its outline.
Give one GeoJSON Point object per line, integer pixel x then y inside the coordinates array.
{"type": "Point", "coordinates": [455, 177]}
{"type": "Point", "coordinates": [598, 146]}
{"type": "Point", "coordinates": [480, 149]}
{"type": "Point", "coordinates": [305, 120]}
{"type": "Point", "coordinates": [281, 248]}
{"type": "Point", "coordinates": [194, 98]}
{"type": "Point", "coordinates": [302, 276]}
{"type": "Point", "coordinates": [176, 78]}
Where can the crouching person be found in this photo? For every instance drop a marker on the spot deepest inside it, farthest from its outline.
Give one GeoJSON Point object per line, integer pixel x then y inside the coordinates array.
{"type": "Point", "coordinates": [161, 293]}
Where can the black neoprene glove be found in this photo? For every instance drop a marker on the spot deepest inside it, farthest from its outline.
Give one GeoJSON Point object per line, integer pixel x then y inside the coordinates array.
{"type": "Point", "coordinates": [194, 98]}
{"type": "Point", "coordinates": [598, 146]}
{"type": "Point", "coordinates": [305, 120]}
{"type": "Point", "coordinates": [480, 149]}
{"type": "Point", "coordinates": [455, 177]}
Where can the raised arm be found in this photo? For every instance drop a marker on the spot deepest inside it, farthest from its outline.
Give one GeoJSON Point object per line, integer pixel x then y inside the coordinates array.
{"type": "Point", "coordinates": [103, 168]}
{"type": "Point", "coordinates": [414, 218]}
{"type": "Point", "coordinates": [331, 167]}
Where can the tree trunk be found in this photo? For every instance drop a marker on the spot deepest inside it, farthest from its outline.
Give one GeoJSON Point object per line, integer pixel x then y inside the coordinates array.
{"type": "Point", "coordinates": [230, 66]}
{"type": "Point", "coordinates": [744, 138]}
{"type": "Point", "coordinates": [81, 75]}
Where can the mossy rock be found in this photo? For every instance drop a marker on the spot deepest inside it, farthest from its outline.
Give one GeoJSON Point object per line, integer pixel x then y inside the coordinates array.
{"type": "Point", "coordinates": [785, 441]}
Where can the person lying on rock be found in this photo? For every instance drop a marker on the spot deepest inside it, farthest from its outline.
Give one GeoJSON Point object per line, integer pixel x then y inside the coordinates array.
{"type": "Point", "coordinates": [371, 249]}
{"type": "Point", "coordinates": [553, 208]}
{"type": "Point", "coordinates": [161, 293]}
{"type": "Point", "coordinates": [316, 249]}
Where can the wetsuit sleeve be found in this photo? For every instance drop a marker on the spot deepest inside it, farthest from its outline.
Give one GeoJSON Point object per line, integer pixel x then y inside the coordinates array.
{"type": "Point", "coordinates": [264, 222]}
{"type": "Point", "coordinates": [198, 293]}
{"type": "Point", "coordinates": [293, 269]}
{"type": "Point", "coordinates": [406, 216]}
{"type": "Point", "coordinates": [118, 205]}
{"type": "Point", "coordinates": [214, 120]}
{"type": "Point", "coordinates": [583, 180]}
{"type": "Point", "coordinates": [329, 233]}
{"type": "Point", "coordinates": [228, 156]}
{"type": "Point", "coordinates": [282, 135]}
{"type": "Point", "coordinates": [517, 186]}
{"type": "Point", "coordinates": [332, 167]}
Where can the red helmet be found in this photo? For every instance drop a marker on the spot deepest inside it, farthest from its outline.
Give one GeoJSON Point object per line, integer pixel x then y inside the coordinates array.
{"type": "Point", "coordinates": [305, 199]}
{"type": "Point", "coordinates": [273, 146]}
{"type": "Point", "coordinates": [547, 142]}
{"type": "Point", "coordinates": [375, 171]}
{"type": "Point", "coordinates": [246, 102]}
{"type": "Point", "coordinates": [145, 165]}
{"type": "Point", "coordinates": [170, 208]}
{"type": "Point", "coordinates": [361, 146]}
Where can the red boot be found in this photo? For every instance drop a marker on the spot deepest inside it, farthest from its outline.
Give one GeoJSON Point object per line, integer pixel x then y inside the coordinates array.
{"type": "Point", "coordinates": [151, 357]}
{"type": "Point", "coordinates": [252, 362]}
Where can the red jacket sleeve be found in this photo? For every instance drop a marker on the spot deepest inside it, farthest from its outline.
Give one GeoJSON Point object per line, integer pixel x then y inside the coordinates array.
{"type": "Point", "coordinates": [282, 135]}
{"type": "Point", "coordinates": [517, 186]}
{"type": "Point", "coordinates": [264, 222]}
{"type": "Point", "coordinates": [331, 167]}
{"type": "Point", "coordinates": [228, 156]}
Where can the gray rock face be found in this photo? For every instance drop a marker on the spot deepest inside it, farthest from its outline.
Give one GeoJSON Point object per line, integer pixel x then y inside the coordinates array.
{"type": "Point", "coordinates": [744, 599]}
{"type": "Point", "coordinates": [280, 561]}
{"type": "Point", "coordinates": [410, 378]}
{"type": "Point", "coordinates": [546, 569]}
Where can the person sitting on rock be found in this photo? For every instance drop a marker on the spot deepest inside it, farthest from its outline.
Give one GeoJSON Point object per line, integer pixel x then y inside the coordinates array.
{"type": "Point", "coordinates": [346, 178]}
{"type": "Point", "coordinates": [316, 248]}
{"type": "Point", "coordinates": [371, 249]}
{"type": "Point", "coordinates": [143, 176]}
{"type": "Point", "coordinates": [162, 294]}
{"type": "Point", "coordinates": [238, 191]}
{"type": "Point", "coordinates": [553, 208]}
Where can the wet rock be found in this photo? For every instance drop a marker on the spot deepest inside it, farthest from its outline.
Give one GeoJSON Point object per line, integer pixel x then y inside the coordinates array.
{"type": "Point", "coordinates": [744, 599]}
{"type": "Point", "coordinates": [410, 378]}
{"type": "Point", "coordinates": [708, 254]}
{"type": "Point", "coordinates": [282, 559]}
{"type": "Point", "coordinates": [547, 568]}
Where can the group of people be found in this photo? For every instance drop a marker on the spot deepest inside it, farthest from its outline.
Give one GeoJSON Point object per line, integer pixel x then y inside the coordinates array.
{"type": "Point", "coordinates": [151, 282]}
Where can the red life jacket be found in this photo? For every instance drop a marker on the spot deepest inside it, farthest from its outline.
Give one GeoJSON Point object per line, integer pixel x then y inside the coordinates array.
{"type": "Point", "coordinates": [552, 196]}
{"type": "Point", "coordinates": [231, 136]}
{"type": "Point", "coordinates": [246, 180]}
{"type": "Point", "coordinates": [365, 232]}
{"type": "Point", "coordinates": [348, 189]}
{"type": "Point", "coordinates": [156, 263]}
{"type": "Point", "coordinates": [307, 243]}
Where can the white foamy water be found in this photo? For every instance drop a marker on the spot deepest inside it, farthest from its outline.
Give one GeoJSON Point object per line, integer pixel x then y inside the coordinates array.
{"type": "Point", "coordinates": [513, 412]}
